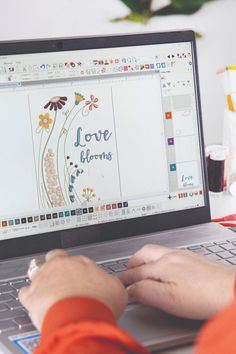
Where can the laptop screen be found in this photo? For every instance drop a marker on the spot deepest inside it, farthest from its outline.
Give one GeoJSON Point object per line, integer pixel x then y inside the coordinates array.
{"type": "Point", "coordinates": [95, 136]}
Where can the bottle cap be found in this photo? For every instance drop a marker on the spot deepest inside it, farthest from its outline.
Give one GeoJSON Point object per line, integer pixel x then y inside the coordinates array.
{"type": "Point", "coordinates": [217, 149]}
{"type": "Point", "coordinates": [218, 155]}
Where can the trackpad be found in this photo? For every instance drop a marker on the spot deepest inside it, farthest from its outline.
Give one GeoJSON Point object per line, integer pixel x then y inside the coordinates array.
{"type": "Point", "coordinates": [156, 329]}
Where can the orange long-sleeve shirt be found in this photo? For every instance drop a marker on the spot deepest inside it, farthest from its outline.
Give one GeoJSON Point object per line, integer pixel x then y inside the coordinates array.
{"type": "Point", "coordinates": [86, 326]}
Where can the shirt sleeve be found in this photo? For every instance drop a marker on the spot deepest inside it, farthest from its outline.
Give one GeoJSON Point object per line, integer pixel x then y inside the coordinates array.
{"type": "Point", "coordinates": [83, 325]}
{"type": "Point", "coordinates": [219, 334]}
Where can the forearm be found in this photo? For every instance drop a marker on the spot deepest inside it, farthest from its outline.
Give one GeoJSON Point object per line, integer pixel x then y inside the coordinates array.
{"type": "Point", "coordinates": [84, 325]}
{"type": "Point", "coordinates": [219, 334]}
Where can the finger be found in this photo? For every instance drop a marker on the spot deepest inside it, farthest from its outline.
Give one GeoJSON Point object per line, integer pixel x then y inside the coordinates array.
{"type": "Point", "coordinates": [84, 259]}
{"type": "Point", "coordinates": [55, 253]}
{"type": "Point", "coordinates": [153, 293]}
{"type": "Point", "coordinates": [33, 268]}
{"type": "Point", "coordinates": [133, 275]}
{"type": "Point", "coordinates": [23, 295]}
{"type": "Point", "coordinates": [148, 253]}
{"type": "Point", "coordinates": [32, 272]}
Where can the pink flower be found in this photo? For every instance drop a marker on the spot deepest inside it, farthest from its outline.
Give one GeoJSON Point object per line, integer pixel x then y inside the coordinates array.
{"type": "Point", "coordinates": [92, 103]}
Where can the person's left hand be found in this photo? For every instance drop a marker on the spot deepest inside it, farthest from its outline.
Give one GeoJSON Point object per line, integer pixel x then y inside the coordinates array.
{"type": "Point", "coordinates": [61, 277]}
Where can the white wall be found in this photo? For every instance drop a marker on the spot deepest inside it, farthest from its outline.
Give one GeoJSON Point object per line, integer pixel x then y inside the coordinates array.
{"type": "Point", "coordinates": [54, 18]}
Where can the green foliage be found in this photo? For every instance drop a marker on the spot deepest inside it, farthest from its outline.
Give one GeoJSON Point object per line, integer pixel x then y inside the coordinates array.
{"type": "Point", "coordinates": [187, 3]}
{"type": "Point", "coordinates": [134, 17]}
{"type": "Point", "coordinates": [141, 9]}
{"type": "Point", "coordinates": [138, 6]}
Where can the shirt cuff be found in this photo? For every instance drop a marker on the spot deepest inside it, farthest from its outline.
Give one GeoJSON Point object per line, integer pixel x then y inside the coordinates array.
{"type": "Point", "coordinates": [74, 310]}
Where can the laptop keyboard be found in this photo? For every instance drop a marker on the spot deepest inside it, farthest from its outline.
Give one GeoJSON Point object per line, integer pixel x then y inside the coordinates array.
{"type": "Point", "coordinates": [223, 252]}
{"type": "Point", "coordinates": [116, 266]}
{"type": "Point", "coordinates": [13, 316]}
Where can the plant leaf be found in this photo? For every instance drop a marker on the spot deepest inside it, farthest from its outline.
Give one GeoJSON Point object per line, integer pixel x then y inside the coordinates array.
{"type": "Point", "coordinates": [132, 5]}
{"type": "Point", "coordinates": [198, 35]}
{"type": "Point", "coordinates": [133, 17]}
{"type": "Point", "coordinates": [172, 10]}
{"type": "Point", "coordinates": [138, 6]}
{"type": "Point", "coordinates": [188, 4]}
{"type": "Point", "coordinates": [139, 18]}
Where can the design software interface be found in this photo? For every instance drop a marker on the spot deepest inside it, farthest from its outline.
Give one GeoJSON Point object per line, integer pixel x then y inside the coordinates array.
{"type": "Point", "coordinates": [94, 136]}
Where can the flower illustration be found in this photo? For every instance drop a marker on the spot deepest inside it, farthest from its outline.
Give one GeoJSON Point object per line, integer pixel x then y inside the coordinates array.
{"type": "Point", "coordinates": [88, 194]}
{"type": "Point", "coordinates": [92, 103]}
{"type": "Point", "coordinates": [53, 189]}
{"type": "Point", "coordinates": [45, 120]}
{"type": "Point", "coordinates": [56, 103]}
{"type": "Point", "coordinates": [78, 98]}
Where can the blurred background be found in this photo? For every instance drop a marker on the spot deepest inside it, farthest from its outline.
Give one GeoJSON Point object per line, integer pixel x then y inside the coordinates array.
{"type": "Point", "coordinates": [62, 18]}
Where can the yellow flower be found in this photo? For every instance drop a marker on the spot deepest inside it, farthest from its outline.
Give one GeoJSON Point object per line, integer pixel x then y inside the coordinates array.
{"type": "Point", "coordinates": [78, 98]}
{"type": "Point", "coordinates": [45, 120]}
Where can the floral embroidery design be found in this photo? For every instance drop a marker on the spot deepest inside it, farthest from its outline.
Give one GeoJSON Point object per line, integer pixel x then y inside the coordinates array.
{"type": "Point", "coordinates": [78, 98]}
{"type": "Point", "coordinates": [88, 194]}
{"type": "Point", "coordinates": [92, 103]}
{"type": "Point", "coordinates": [45, 120]}
{"type": "Point", "coordinates": [56, 102]}
{"type": "Point", "coordinates": [58, 176]}
{"type": "Point", "coordinates": [73, 173]}
{"type": "Point", "coordinates": [54, 191]}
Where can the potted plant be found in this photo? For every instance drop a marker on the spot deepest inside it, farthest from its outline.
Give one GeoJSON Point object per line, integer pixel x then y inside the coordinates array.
{"type": "Point", "coordinates": [142, 10]}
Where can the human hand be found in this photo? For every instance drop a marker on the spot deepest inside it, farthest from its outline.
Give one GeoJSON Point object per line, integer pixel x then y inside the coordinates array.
{"type": "Point", "coordinates": [179, 282]}
{"type": "Point", "coordinates": [61, 277]}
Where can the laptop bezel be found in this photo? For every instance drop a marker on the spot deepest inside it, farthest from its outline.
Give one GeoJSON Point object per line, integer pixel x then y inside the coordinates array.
{"type": "Point", "coordinates": [120, 229]}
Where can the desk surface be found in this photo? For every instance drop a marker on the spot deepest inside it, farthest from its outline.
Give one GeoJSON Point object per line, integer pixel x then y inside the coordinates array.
{"type": "Point", "coordinates": [222, 204]}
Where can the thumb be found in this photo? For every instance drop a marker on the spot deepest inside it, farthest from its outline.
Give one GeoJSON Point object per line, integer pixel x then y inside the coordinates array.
{"type": "Point", "coordinates": [23, 295]}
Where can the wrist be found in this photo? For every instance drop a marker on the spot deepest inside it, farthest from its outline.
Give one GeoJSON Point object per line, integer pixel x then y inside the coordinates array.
{"type": "Point", "coordinates": [75, 310]}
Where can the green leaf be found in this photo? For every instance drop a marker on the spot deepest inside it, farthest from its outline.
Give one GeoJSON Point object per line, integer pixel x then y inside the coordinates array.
{"type": "Point", "coordinates": [188, 3]}
{"type": "Point", "coordinates": [141, 9]}
{"type": "Point", "coordinates": [133, 17]}
{"type": "Point", "coordinates": [198, 35]}
{"type": "Point", "coordinates": [172, 10]}
{"type": "Point", "coordinates": [131, 4]}
{"type": "Point", "coordinates": [138, 6]}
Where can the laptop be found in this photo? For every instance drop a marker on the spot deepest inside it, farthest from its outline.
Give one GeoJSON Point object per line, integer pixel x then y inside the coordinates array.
{"type": "Point", "coordinates": [102, 152]}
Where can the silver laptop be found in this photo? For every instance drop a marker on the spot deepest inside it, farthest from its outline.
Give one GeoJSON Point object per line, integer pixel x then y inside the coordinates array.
{"type": "Point", "coordinates": [101, 152]}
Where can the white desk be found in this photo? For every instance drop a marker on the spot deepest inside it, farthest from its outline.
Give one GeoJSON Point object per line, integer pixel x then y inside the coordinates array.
{"type": "Point", "coordinates": [222, 205]}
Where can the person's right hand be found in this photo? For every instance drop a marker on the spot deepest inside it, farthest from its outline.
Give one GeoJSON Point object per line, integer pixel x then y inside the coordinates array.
{"type": "Point", "coordinates": [179, 282]}
{"type": "Point", "coordinates": [61, 277]}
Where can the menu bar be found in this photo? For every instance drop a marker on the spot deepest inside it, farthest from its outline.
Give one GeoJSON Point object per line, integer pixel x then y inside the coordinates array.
{"type": "Point", "coordinates": [19, 71]}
